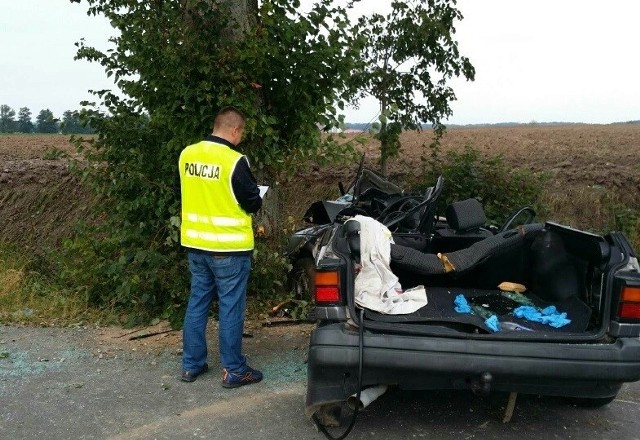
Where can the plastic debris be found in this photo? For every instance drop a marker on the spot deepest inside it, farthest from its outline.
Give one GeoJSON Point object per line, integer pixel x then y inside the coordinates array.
{"type": "Point", "coordinates": [517, 297]}
{"type": "Point", "coordinates": [482, 312]}
{"type": "Point", "coordinates": [490, 320]}
{"type": "Point", "coordinates": [492, 323]}
{"type": "Point", "coordinates": [548, 316]}
{"type": "Point", "coordinates": [462, 306]}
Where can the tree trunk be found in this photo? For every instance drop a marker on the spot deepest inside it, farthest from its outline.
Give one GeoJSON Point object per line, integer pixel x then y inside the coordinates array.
{"type": "Point", "coordinates": [383, 146]}
{"type": "Point", "coordinates": [243, 17]}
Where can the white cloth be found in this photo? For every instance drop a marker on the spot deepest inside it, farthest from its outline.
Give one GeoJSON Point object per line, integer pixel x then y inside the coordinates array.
{"type": "Point", "coordinates": [376, 286]}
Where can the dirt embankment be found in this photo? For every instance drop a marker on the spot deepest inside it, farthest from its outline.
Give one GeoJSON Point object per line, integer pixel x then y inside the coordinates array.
{"type": "Point", "coordinates": [40, 199]}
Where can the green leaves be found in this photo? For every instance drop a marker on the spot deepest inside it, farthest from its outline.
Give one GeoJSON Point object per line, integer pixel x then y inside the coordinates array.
{"type": "Point", "coordinates": [303, 65]}
{"type": "Point", "coordinates": [7, 122]}
{"type": "Point", "coordinates": [176, 64]}
{"type": "Point", "coordinates": [471, 174]}
{"type": "Point", "coordinates": [410, 54]}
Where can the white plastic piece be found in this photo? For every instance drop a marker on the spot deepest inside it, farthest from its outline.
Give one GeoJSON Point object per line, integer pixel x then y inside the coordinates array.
{"type": "Point", "coordinates": [367, 396]}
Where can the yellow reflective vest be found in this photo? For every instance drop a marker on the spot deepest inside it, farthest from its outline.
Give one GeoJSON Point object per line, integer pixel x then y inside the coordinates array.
{"type": "Point", "coordinates": [212, 219]}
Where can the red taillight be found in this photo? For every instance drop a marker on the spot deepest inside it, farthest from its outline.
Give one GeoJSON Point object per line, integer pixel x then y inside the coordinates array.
{"type": "Point", "coordinates": [327, 286]}
{"type": "Point", "coordinates": [630, 310]}
{"type": "Point", "coordinates": [629, 303]}
{"type": "Point", "coordinates": [327, 294]}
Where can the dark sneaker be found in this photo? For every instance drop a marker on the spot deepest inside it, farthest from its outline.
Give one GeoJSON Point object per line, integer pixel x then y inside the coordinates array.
{"type": "Point", "coordinates": [188, 376]}
{"type": "Point", "coordinates": [235, 380]}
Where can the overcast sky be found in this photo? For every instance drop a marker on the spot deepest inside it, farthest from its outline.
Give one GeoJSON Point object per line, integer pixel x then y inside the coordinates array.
{"type": "Point", "coordinates": [535, 60]}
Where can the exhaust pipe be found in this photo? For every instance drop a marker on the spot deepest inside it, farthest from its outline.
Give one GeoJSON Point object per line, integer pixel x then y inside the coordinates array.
{"type": "Point", "coordinates": [367, 396]}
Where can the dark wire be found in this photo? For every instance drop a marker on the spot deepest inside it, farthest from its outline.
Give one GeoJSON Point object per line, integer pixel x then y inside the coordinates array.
{"type": "Point", "coordinates": [355, 411]}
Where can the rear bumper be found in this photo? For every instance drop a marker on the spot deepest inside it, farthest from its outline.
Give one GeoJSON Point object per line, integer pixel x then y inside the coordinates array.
{"type": "Point", "coordinates": [576, 370]}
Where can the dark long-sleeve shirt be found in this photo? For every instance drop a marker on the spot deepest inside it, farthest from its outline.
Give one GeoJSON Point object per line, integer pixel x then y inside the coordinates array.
{"type": "Point", "coordinates": [243, 182]}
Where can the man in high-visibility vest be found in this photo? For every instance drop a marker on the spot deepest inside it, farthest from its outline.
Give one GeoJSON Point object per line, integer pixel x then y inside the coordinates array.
{"type": "Point", "coordinates": [219, 193]}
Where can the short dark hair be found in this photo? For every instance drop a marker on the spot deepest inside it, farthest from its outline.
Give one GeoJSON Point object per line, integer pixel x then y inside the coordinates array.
{"type": "Point", "coordinates": [229, 117]}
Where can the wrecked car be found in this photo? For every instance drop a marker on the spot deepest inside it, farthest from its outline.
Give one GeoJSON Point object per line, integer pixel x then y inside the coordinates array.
{"type": "Point", "coordinates": [369, 194]}
{"type": "Point", "coordinates": [538, 308]}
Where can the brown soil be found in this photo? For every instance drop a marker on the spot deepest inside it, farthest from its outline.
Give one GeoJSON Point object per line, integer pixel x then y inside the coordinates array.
{"type": "Point", "coordinates": [607, 155]}
{"type": "Point", "coordinates": [577, 154]}
{"type": "Point", "coordinates": [40, 199]}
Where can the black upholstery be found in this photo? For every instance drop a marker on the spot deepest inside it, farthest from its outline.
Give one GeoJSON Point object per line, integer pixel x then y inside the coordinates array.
{"type": "Point", "coordinates": [465, 215]}
{"type": "Point", "coordinates": [464, 259]}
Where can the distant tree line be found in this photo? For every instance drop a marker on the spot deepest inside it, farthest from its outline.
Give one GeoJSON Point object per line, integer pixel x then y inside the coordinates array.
{"type": "Point", "coordinates": [45, 122]}
{"type": "Point", "coordinates": [367, 126]}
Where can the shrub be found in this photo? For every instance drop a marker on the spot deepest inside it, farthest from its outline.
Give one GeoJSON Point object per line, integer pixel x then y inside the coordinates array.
{"type": "Point", "coordinates": [470, 174]}
{"type": "Point", "coordinates": [130, 274]}
{"type": "Point", "coordinates": [267, 283]}
{"type": "Point", "coordinates": [624, 219]}
{"type": "Point", "coordinates": [54, 153]}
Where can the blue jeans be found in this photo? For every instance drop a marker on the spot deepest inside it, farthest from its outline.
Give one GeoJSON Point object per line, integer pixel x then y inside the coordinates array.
{"type": "Point", "coordinates": [225, 278]}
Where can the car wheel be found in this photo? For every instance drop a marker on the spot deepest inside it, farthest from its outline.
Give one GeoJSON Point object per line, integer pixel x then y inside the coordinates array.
{"type": "Point", "coordinates": [591, 402]}
{"type": "Point", "coordinates": [302, 278]}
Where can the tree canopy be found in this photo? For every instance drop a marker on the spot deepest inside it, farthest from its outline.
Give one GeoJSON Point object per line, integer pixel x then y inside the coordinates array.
{"type": "Point", "coordinates": [24, 120]}
{"type": "Point", "coordinates": [177, 62]}
{"type": "Point", "coordinates": [46, 122]}
{"type": "Point", "coordinates": [71, 124]}
{"type": "Point", "coordinates": [7, 119]}
{"type": "Point", "coordinates": [174, 63]}
{"type": "Point", "coordinates": [409, 57]}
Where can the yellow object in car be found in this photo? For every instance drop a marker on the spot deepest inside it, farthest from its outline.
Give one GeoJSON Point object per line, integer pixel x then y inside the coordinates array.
{"type": "Point", "coordinates": [508, 286]}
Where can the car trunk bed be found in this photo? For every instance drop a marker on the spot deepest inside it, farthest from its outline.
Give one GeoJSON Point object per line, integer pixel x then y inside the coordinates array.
{"type": "Point", "coordinates": [441, 310]}
{"type": "Point", "coordinates": [559, 267]}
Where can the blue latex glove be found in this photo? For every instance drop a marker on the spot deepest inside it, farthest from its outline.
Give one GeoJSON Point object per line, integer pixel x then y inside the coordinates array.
{"type": "Point", "coordinates": [549, 311]}
{"type": "Point", "coordinates": [552, 317]}
{"type": "Point", "coordinates": [527, 312]}
{"type": "Point", "coordinates": [549, 316]}
{"type": "Point", "coordinates": [462, 306]}
{"type": "Point", "coordinates": [492, 323]}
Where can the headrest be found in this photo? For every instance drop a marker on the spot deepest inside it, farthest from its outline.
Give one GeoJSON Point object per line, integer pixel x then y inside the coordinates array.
{"type": "Point", "coordinates": [465, 215]}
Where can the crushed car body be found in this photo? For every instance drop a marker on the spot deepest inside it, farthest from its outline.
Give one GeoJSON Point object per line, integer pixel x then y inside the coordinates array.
{"type": "Point", "coordinates": [528, 307]}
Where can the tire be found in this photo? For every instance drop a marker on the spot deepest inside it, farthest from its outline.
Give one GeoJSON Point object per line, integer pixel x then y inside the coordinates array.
{"type": "Point", "coordinates": [590, 402]}
{"type": "Point", "coordinates": [302, 278]}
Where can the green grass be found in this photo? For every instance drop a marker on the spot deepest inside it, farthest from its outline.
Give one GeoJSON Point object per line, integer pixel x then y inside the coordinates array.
{"type": "Point", "coordinates": [595, 210]}
{"type": "Point", "coordinates": [29, 297]}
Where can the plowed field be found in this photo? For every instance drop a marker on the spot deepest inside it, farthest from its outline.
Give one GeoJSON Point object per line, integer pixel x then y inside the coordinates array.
{"type": "Point", "coordinates": [39, 198]}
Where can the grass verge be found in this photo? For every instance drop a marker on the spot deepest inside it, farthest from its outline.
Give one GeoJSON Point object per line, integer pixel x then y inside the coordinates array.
{"type": "Point", "coordinates": [28, 296]}
{"type": "Point", "coordinates": [594, 209]}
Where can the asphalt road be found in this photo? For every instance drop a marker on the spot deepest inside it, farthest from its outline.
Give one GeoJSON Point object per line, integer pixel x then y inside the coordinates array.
{"type": "Point", "coordinates": [70, 384]}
